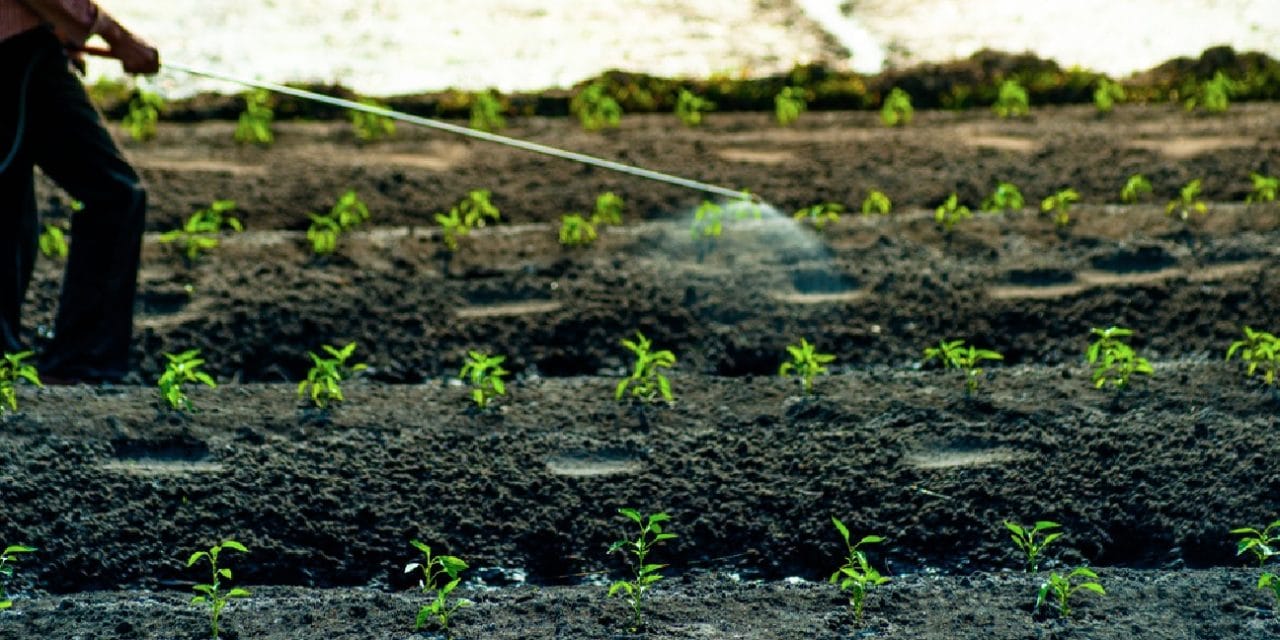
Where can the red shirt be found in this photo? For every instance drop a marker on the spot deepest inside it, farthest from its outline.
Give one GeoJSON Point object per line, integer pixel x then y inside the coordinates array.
{"type": "Point", "coordinates": [73, 20]}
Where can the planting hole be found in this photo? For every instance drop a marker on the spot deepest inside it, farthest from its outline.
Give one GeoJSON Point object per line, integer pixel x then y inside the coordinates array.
{"type": "Point", "coordinates": [161, 457]}
{"type": "Point", "coordinates": [1039, 277]}
{"type": "Point", "coordinates": [1134, 260]}
{"type": "Point", "coordinates": [605, 462]}
{"type": "Point", "coordinates": [167, 302]}
{"type": "Point", "coordinates": [963, 456]}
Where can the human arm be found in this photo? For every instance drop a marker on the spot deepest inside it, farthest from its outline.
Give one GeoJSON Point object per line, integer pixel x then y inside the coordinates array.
{"type": "Point", "coordinates": [77, 20]}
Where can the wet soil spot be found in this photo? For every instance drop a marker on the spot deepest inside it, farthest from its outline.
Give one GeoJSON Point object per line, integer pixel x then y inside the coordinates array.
{"type": "Point", "coordinates": [817, 286]}
{"type": "Point", "coordinates": [1048, 277]}
{"type": "Point", "coordinates": [162, 302]}
{"type": "Point", "coordinates": [496, 302]}
{"type": "Point", "coordinates": [602, 462]}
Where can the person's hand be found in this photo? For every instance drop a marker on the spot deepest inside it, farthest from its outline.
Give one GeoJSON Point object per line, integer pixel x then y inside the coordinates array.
{"type": "Point", "coordinates": [135, 55]}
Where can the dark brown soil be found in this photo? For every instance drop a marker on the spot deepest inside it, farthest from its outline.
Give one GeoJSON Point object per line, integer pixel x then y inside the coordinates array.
{"type": "Point", "coordinates": [116, 493]}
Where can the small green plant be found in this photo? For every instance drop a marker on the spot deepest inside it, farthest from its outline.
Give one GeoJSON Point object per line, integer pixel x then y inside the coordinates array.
{"type": "Point", "coordinates": [182, 368]}
{"type": "Point", "coordinates": [1260, 350]}
{"type": "Point", "coordinates": [472, 212]}
{"type": "Point", "coordinates": [440, 576]}
{"type": "Point", "coordinates": [1187, 202]}
{"type": "Point", "coordinates": [1011, 100]}
{"type": "Point", "coordinates": [1264, 544]}
{"type": "Point", "coordinates": [201, 232]}
{"type": "Point", "coordinates": [876, 202]}
{"type": "Point", "coordinates": [896, 109]}
{"type": "Point", "coordinates": [1061, 589]}
{"type": "Point", "coordinates": [372, 126]}
{"type": "Point", "coordinates": [13, 369]}
{"type": "Point", "coordinates": [1113, 360]}
{"type": "Point", "coordinates": [609, 208]}
{"type": "Point", "coordinates": [595, 108]}
{"type": "Point", "coordinates": [346, 214]}
{"type": "Point", "coordinates": [1134, 188]}
{"type": "Point", "coordinates": [254, 125]}
{"type": "Point", "coordinates": [11, 554]}
{"type": "Point", "coordinates": [212, 594]}
{"type": "Point", "coordinates": [954, 354]}
{"type": "Point", "coordinates": [576, 231]}
{"type": "Point", "coordinates": [486, 112]}
{"type": "Point", "coordinates": [647, 381]}
{"type": "Point", "coordinates": [1107, 94]}
{"type": "Point", "coordinates": [1214, 96]}
{"type": "Point", "coordinates": [820, 215]}
{"type": "Point", "coordinates": [691, 108]}
{"type": "Point", "coordinates": [789, 105]}
{"type": "Point", "coordinates": [53, 242]}
{"type": "Point", "coordinates": [1006, 197]}
{"type": "Point", "coordinates": [326, 375]}
{"type": "Point", "coordinates": [1030, 541]}
{"type": "Point", "coordinates": [1264, 188]}
{"type": "Point", "coordinates": [143, 115]}
{"type": "Point", "coordinates": [644, 574]}
{"type": "Point", "coordinates": [806, 363]}
{"type": "Point", "coordinates": [856, 576]}
{"type": "Point", "coordinates": [1270, 581]}
{"type": "Point", "coordinates": [1059, 204]}
{"type": "Point", "coordinates": [484, 373]}
{"type": "Point", "coordinates": [950, 213]}
{"type": "Point", "coordinates": [708, 220]}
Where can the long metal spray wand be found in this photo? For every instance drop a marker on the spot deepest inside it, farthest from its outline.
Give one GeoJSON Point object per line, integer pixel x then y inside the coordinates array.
{"type": "Point", "coordinates": [534, 147]}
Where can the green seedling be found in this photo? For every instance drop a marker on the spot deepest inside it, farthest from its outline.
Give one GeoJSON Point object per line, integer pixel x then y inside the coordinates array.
{"type": "Point", "coordinates": [1261, 352]}
{"type": "Point", "coordinates": [182, 369]}
{"type": "Point", "coordinates": [212, 594]}
{"type": "Point", "coordinates": [1263, 544]}
{"type": "Point", "coordinates": [595, 108]}
{"type": "Point", "coordinates": [201, 232]}
{"type": "Point", "coordinates": [856, 576]}
{"type": "Point", "coordinates": [326, 375]}
{"type": "Point", "coordinates": [1270, 581]}
{"type": "Point", "coordinates": [1061, 589]}
{"type": "Point", "coordinates": [1106, 95]}
{"type": "Point", "coordinates": [143, 115]}
{"type": "Point", "coordinates": [1006, 197]}
{"type": "Point", "coordinates": [576, 231]}
{"type": "Point", "coordinates": [371, 126]}
{"type": "Point", "coordinates": [746, 207]}
{"type": "Point", "coordinates": [876, 202]}
{"type": "Point", "coordinates": [1134, 188]}
{"type": "Point", "coordinates": [644, 574]}
{"type": "Point", "coordinates": [806, 363]}
{"type": "Point", "coordinates": [1113, 360]}
{"type": "Point", "coordinates": [484, 373]}
{"type": "Point", "coordinates": [609, 208]}
{"type": "Point", "coordinates": [1059, 204]}
{"type": "Point", "coordinates": [789, 105]}
{"type": "Point", "coordinates": [1011, 100]}
{"type": "Point", "coordinates": [53, 242]}
{"type": "Point", "coordinates": [13, 369]}
{"type": "Point", "coordinates": [346, 214]}
{"type": "Point", "coordinates": [11, 554]}
{"type": "Point", "coordinates": [472, 212]}
{"type": "Point", "coordinates": [950, 213]}
{"type": "Point", "coordinates": [1214, 96]}
{"type": "Point", "coordinates": [1033, 540]}
{"type": "Point", "coordinates": [452, 227]}
{"type": "Point", "coordinates": [254, 125]}
{"type": "Point", "coordinates": [896, 109]}
{"type": "Point", "coordinates": [691, 108]}
{"type": "Point", "coordinates": [708, 220]}
{"type": "Point", "coordinates": [1264, 188]}
{"type": "Point", "coordinates": [647, 381]}
{"type": "Point", "coordinates": [440, 576]}
{"type": "Point", "coordinates": [1187, 202]}
{"type": "Point", "coordinates": [954, 354]}
{"type": "Point", "coordinates": [486, 112]}
{"type": "Point", "coordinates": [819, 215]}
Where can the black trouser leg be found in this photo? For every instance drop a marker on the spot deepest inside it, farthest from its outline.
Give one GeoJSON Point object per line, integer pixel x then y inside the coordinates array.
{"type": "Point", "coordinates": [66, 138]}
{"type": "Point", "coordinates": [18, 235]}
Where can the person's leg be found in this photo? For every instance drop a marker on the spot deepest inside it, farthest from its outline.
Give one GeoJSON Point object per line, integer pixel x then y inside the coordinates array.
{"type": "Point", "coordinates": [71, 145]}
{"type": "Point", "coordinates": [18, 235]}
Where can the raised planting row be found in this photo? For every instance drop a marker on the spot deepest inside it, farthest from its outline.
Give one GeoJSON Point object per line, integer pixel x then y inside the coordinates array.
{"type": "Point", "coordinates": [115, 495]}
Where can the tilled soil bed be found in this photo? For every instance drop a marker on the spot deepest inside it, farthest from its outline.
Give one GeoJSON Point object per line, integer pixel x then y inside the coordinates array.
{"type": "Point", "coordinates": [1147, 482]}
